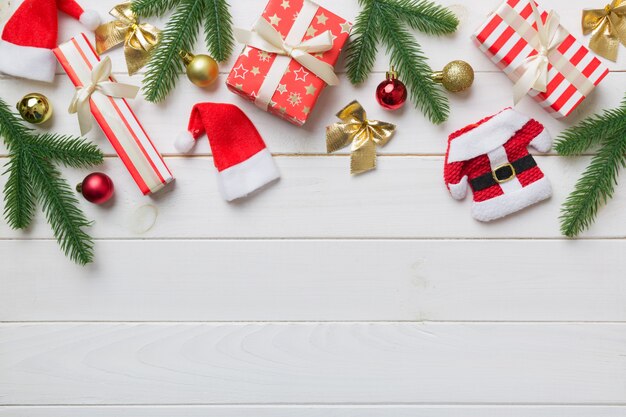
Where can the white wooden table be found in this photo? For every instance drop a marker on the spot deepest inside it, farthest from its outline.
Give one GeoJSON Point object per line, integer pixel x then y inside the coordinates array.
{"type": "Point", "coordinates": [326, 294]}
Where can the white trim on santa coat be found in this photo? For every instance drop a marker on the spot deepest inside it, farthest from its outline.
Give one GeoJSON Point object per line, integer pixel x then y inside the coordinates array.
{"type": "Point", "coordinates": [506, 204]}
{"type": "Point", "coordinates": [486, 137]}
{"type": "Point", "coordinates": [38, 64]}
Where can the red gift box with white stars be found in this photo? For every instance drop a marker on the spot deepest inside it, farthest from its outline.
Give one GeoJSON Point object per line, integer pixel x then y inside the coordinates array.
{"type": "Point", "coordinates": [297, 88]}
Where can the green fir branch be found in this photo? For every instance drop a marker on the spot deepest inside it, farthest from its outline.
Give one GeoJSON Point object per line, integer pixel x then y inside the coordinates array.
{"type": "Point", "coordinates": [218, 31]}
{"type": "Point", "coordinates": [597, 184]}
{"type": "Point", "coordinates": [179, 35]}
{"type": "Point", "coordinates": [423, 15]}
{"type": "Point", "coordinates": [33, 178]}
{"type": "Point", "coordinates": [19, 195]}
{"type": "Point", "coordinates": [406, 55]}
{"type": "Point", "coordinates": [361, 51]}
{"type": "Point", "coordinates": [62, 211]}
{"type": "Point", "coordinates": [147, 8]}
{"type": "Point", "coordinates": [384, 21]}
{"type": "Point", "coordinates": [581, 137]}
{"type": "Point", "coordinates": [71, 152]}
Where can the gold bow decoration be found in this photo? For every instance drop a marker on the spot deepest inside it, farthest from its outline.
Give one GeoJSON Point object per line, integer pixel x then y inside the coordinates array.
{"type": "Point", "coordinates": [364, 135]}
{"type": "Point", "coordinates": [608, 26]}
{"type": "Point", "coordinates": [139, 38]}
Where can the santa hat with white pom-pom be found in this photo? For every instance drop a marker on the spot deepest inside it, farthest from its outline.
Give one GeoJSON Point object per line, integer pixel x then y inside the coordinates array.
{"type": "Point", "coordinates": [30, 35]}
{"type": "Point", "coordinates": [242, 160]}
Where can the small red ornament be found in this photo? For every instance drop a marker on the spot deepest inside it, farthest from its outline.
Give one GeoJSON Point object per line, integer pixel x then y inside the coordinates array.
{"type": "Point", "coordinates": [391, 93]}
{"type": "Point", "coordinates": [97, 188]}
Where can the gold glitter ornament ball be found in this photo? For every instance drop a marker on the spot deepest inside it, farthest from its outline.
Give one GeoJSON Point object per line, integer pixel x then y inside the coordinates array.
{"type": "Point", "coordinates": [202, 70]}
{"type": "Point", "coordinates": [456, 76]}
{"type": "Point", "coordinates": [35, 108]}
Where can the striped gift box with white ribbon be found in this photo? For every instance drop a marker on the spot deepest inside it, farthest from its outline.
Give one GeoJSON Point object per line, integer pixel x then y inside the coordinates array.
{"type": "Point", "coordinates": [573, 70]}
{"type": "Point", "coordinates": [117, 120]}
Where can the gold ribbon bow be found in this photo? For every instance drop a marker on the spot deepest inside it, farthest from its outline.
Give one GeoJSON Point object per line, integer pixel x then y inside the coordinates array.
{"type": "Point", "coordinates": [99, 83]}
{"type": "Point", "coordinates": [364, 135]}
{"type": "Point", "coordinates": [139, 39]}
{"type": "Point", "coordinates": [609, 28]}
{"type": "Point", "coordinates": [535, 67]}
{"type": "Point", "coordinates": [268, 39]}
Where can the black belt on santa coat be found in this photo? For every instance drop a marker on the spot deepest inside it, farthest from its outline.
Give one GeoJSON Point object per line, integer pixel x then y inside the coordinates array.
{"type": "Point", "coordinates": [503, 173]}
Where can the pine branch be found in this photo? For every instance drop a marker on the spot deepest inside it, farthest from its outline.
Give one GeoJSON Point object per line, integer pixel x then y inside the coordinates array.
{"type": "Point", "coordinates": [361, 52]}
{"type": "Point", "coordinates": [71, 152]}
{"type": "Point", "coordinates": [11, 129]}
{"type": "Point", "coordinates": [19, 195]}
{"type": "Point", "coordinates": [406, 55]}
{"type": "Point", "coordinates": [580, 138]}
{"type": "Point", "coordinates": [595, 187]}
{"type": "Point", "coordinates": [423, 15]}
{"type": "Point", "coordinates": [147, 8]}
{"type": "Point", "coordinates": [180, 34]}
{"type": "Point", "coordinates": [218, 30]}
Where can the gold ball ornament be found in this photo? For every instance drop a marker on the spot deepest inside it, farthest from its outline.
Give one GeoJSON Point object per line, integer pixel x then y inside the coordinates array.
{"type": "Point", "coordinates": [202, 70]}
{"type": "Point", "coordinates": [35, 108]}
{"type": "Point", "coordinates": [455, 77]}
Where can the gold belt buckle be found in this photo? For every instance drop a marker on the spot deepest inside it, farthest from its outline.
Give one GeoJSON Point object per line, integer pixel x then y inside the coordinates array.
{"type": "Point", "coordinates": [509, 178]}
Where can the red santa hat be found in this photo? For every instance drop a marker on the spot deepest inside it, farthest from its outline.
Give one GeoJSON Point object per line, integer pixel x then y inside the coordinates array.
{"type": "Point", "coordinates": [243, 162]}
{"type": "Point", "coordinates": [30, 35]}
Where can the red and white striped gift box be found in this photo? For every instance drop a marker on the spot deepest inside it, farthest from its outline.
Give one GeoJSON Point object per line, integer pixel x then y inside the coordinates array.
{"type": "Point", "coordinates": [117, 120]}
{"type": "Point", "coordinates": [507, 38]}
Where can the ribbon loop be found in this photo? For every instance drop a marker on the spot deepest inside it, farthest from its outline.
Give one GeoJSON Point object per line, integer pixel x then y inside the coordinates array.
{"type": "Point", "coordinates": [364, 135]}
{"type": "Point", "coordinates": [608, 26]}
{"type": "Point", "coordinates": [266, 38]}
{"type": "Point", "coordinates": [139, 38]}
{"type": "Point", "coordinates": [100, 82]}
{"type": "Point", "coordinates": [535, 67]}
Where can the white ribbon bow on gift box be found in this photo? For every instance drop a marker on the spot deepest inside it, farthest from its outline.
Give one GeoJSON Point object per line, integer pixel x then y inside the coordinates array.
{"type": "Point", "coordinates": [535, 67]}
{"type": "Point", "coordinates": [264, 37]}
{"type": "Point", "coordinates": [99, 83]}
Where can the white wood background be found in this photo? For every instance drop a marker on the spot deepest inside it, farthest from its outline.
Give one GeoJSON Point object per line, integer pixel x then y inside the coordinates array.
{"type": "Point", "coordinates": [324, 295]}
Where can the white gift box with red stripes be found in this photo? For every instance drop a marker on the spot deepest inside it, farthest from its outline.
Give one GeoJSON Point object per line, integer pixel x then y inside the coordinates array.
{"type": "Point", "coordinates": [117, 120]}
{"type": "Point", "coordinates": [507, 38]}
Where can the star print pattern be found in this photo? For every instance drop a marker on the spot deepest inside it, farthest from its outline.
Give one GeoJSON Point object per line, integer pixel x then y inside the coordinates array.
{"type": "Point", "coordinates": [299, 89]}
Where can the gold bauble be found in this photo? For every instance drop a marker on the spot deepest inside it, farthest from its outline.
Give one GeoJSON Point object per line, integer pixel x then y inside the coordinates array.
{"type": "Point", "coordinates": [202, 70]}
{"type": "Point", "coordinates": [35, 108]}
{"type": "Point", "coordinates": [456, 76]}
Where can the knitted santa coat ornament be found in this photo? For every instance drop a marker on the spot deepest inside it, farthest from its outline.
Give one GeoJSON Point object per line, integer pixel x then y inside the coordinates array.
{"type": "Point", "coordinates": [30, 35]}
{"type": "Point", "coordinates": [492, 157]}
{"type": "Point", "coordinates": [243, 162]}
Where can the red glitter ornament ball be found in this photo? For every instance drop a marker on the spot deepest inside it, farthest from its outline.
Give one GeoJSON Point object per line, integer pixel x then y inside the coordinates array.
{"type": "Point", "coordinates": [97, 188]}
{"type": "Point", "coordinates": [391, 93]}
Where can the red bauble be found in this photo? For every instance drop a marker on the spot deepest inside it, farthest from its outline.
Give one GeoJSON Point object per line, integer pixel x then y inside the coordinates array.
{"type": "Point", "coordinates": [97, 188]}
{"type": "Point", "coordinates": [391, 93]}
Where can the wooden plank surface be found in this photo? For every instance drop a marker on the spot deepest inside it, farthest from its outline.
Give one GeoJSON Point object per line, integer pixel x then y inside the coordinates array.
{"type": "Point", "coordinates": [317, 198]}
{"type": "Point", "coordinates": [314, 280]}
{"type": "Point", "coordinates": [333, 363]}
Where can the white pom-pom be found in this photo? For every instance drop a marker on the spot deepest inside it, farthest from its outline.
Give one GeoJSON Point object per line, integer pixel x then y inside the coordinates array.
{"type": "Point", "coordinates": [91, 19]}
{"type": "Point", "coordinates": [184, 142]}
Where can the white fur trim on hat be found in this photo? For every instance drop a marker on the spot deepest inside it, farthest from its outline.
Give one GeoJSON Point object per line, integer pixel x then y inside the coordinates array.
{"type": "Point", "coordinates": [505, 204]}
{"type": "Point", "coordinates": [247, 176]}
{"type": "Point", "coordinates": [486, 137]}
{"type": "Point", "coordinates": [91, 19]}
{"type": "Point", "coordinates": [184, 142]}
{"type": "Point", "coordinates": [38, 64]}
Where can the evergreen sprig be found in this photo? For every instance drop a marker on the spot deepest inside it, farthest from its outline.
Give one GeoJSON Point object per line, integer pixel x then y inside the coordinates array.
{"type": "Point", "coordinates": [180, 34]}
{"type": "Point", "coordinates": [34, 179]}
{"type": "Point", "coordinates": [597, 184]}
{"type": "Point", "coordinates": [384, 21]}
